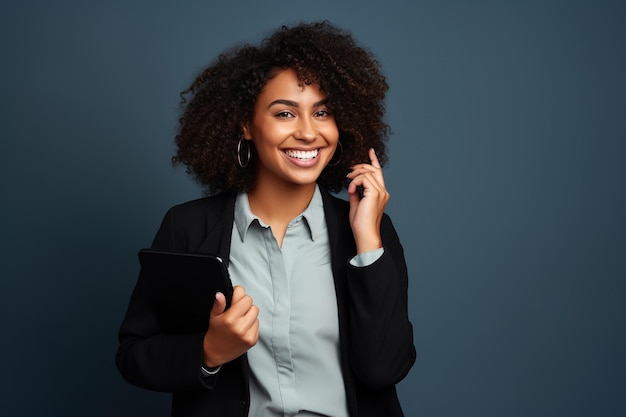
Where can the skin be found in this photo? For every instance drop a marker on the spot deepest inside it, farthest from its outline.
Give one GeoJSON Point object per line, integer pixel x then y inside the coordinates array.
{"type": "Point", "coordinates": [290, 119]}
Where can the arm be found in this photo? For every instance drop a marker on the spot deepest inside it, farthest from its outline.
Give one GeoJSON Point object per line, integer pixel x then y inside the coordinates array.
{"type": "Point", "coordinates": [149, 358]}
{"type": "Point", "coordinates": [145, 356]}
{"type": "Point", "coordinates": [381, 336]}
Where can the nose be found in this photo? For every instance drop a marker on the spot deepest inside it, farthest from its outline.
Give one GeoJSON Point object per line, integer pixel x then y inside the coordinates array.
{"type": "Point", "coordinates": [306, 130]}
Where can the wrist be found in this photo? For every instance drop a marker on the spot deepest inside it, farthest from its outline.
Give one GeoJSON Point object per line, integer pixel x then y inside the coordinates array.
{"type": "Point", "coordinates": [368, 245]}
{"type": "Point", "coordinates": [208, 363]}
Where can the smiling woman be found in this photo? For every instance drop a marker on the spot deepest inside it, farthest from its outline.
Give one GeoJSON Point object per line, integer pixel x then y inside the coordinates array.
{"type": "Point", "coordinates": [318, 322]}
{"type": "Point", "coordinates": [293, 131]}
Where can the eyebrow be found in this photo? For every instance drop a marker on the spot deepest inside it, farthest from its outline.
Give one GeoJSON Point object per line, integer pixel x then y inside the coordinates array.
{"type": "Point", "coordinates": [295, 104]}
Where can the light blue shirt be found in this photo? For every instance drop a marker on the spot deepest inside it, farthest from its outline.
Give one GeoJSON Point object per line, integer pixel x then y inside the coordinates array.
{"type": "Point", "coordinates": [295, 365]}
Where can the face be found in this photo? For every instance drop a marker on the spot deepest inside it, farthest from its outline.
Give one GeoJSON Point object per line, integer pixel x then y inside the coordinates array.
{"type": "Point", "coordinates": [293, 131]}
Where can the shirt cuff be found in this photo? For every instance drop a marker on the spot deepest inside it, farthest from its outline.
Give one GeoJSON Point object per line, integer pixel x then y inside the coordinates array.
{"type": "Point", "coordinates": [206, 372]}
{"type": "Point", "coordinates": [367, 258]}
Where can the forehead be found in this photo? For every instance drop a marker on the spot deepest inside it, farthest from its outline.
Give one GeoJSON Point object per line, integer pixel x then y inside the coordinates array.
{"type": "Point", "coordinates": [285, 85]}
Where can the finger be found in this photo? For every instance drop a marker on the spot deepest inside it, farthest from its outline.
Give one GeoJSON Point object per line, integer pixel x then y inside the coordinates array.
{"type": "Point", "coordinates": [358, 170]}
{"type": "Point", "coordinates": [374, 169]}
{"type": "Point", "coordinates": [374, 158]}
{"type": "Point", "coordinates": [246, 326]}
{"type": "Point", "coordinates": [240, 307]}
{"type": "Point", "coordinates": [353, 192]}
{"type": "Point", "coordinates": [238, 293]}
{"type": "Point", "coordinates": [369, 181]}
{"type": "Point", "coordinates": [255, 331]}
{"type": "Point", "coordinates": [251, 335]}
{"type": "Point", "coordinates": [366, 169]}
{"type": "Point", "coordinates": [252, 317]}
{"type": "Point", "coordinates": [354, 201]}
{"type": "Point", "coordinates": [219, 305]}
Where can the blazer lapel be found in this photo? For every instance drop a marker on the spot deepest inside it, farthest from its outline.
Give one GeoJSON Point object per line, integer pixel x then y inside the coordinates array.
{"type": "Point", "coordinates": [342, 246]}
{"type": "Point", "coordinates": [219, 226]}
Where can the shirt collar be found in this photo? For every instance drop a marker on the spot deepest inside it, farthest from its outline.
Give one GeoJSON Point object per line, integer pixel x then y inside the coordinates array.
{"type": "Point", "coordinates": [313, 215]}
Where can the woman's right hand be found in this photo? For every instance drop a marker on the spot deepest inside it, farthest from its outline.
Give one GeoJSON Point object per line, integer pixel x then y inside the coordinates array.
{"type": "Point", "coordinates": [232, 332]}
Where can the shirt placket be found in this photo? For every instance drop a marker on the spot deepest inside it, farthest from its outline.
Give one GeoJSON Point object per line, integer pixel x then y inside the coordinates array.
{"type": "Point", "coordinates": [281, 325]}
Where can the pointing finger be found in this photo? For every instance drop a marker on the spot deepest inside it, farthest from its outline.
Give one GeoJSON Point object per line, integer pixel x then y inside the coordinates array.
{"type": "Point", "coordinates": [374, 158]}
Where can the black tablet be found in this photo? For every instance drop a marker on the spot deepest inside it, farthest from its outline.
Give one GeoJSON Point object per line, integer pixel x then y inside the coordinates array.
{"type": "Point", "coordinates": [182, 287]}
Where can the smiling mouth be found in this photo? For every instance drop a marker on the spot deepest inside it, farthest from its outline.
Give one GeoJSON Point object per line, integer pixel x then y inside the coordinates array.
{"type": "Point", "coordinates": [303, 155]}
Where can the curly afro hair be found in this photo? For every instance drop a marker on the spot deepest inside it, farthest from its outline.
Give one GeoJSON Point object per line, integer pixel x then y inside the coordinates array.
{"type": "Point", "coordinates": [222, 98]}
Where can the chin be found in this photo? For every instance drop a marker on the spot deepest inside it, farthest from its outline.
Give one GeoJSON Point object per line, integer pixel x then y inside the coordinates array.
{"type": "Point", "coordinates": [305, 180]}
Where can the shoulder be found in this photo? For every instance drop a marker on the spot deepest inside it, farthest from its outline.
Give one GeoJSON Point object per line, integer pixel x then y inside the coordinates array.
{"type": "Point", "coordinates": [214, 204]}
{"type": "Point", "coordinates": [185, 226]}
{"type": "Point", "coordinates": [203, 212]}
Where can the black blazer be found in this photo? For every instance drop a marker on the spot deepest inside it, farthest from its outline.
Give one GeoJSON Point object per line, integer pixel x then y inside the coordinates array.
{"type": "Point", "coordinates": [376, 337]}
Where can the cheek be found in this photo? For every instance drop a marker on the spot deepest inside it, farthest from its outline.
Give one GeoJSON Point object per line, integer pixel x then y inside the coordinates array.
{"type": "Point", "coordinates": [335, 134]}
{"type": "Point", "coordinates": [331, 132]}
{"type": "Point", "coordinates": [275, 131]}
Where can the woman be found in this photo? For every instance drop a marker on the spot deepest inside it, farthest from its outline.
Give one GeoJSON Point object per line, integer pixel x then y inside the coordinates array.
{"type": "Point", "coordinates": [318, 322]}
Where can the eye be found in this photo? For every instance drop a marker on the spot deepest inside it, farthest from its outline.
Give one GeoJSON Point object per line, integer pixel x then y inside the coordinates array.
{"type": "Point", "coordinates": [284, 115]}
{"type": "Point", "coordinates": [322, 113]}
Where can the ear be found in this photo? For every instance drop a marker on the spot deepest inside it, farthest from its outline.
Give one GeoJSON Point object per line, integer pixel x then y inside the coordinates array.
{"type": "Point", "coordinates": [245, 131]}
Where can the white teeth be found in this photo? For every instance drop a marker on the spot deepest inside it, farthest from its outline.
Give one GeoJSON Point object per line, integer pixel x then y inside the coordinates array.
{"type": "Point", "coordinates": [302, 155]}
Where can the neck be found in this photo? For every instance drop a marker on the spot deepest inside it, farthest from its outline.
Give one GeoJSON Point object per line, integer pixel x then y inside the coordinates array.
{"type": "Point", "coordinates": [278, 205]}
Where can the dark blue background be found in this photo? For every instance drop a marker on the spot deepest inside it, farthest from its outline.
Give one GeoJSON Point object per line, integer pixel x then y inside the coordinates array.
{"type": "Point", "coordinates": [507, 178]}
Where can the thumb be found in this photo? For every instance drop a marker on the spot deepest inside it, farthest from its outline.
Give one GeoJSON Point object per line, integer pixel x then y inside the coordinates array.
{"type": "Point", "coordinates": [219, 305]}
{"type": "Point", "coordinates": [354, 198]}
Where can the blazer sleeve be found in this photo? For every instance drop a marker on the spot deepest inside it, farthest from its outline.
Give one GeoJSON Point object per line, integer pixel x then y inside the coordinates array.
{"type": "Point", "coordinates": [381, 336]}
{"type": "Point", "coordinates": [148, 358]}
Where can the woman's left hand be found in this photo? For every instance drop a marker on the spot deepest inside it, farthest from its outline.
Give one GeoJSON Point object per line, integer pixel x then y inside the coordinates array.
{"type": "Point", "coordinates": [366, 212]}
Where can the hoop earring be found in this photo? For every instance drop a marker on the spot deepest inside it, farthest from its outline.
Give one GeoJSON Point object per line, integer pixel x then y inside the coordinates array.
{"type": "Point", "coordinates": [241, 164]}
{"type": "Point", "coordinates": [334, 164]}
